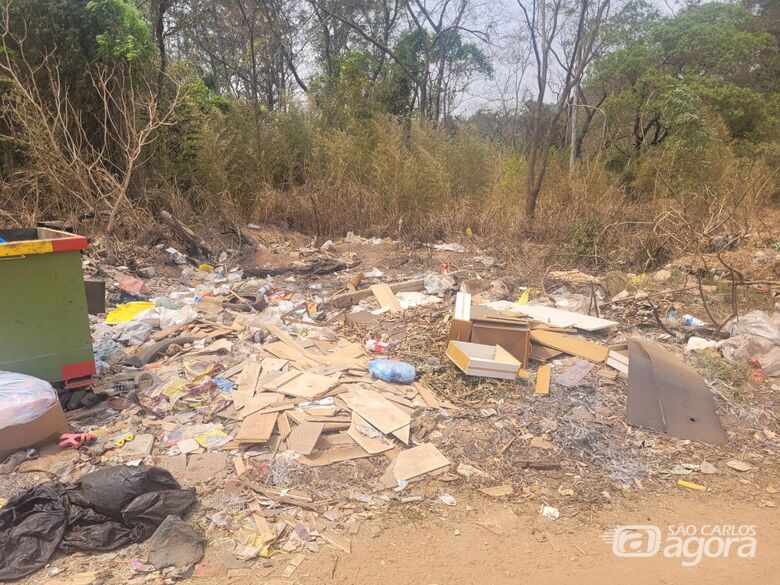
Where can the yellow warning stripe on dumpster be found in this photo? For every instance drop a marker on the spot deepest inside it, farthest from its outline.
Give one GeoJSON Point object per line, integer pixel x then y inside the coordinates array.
{"type": "Point", "coordinates": [25, 248]}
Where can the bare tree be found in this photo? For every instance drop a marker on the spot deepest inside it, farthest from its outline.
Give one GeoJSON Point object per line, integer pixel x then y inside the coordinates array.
{"type": "Point", "coordinates": [562, 34]}
{"type": "Point", "coordinates": [44, 123]}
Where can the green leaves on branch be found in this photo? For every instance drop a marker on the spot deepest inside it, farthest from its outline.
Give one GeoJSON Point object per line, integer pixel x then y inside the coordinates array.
{"type": "Point", "coordinates": [125, 35]}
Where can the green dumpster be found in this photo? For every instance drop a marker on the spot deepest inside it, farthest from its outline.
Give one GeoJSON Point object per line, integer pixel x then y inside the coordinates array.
{"type": "Point", "coordinates": [44, 325]}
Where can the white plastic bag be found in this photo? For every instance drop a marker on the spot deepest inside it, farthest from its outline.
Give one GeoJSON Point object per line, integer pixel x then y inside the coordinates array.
{"type": "Point", "coordinates": [740, 348]}
{"type": "Point", "coordinates": [23, 398]}
{"type": "Point", "coordinates": [756, 323]}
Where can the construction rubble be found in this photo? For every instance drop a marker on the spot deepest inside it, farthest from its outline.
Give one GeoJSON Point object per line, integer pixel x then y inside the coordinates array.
{"type": "Point", "coordinates": [296, 406]}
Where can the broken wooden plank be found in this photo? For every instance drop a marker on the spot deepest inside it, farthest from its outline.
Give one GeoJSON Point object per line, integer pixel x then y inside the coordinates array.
{"type": "Point", "coordinates": [571, 345]}
{"type": "Point", "coordinates": [256, 428]}
{"type": "Point", "coordinates": [618, 361]}
{"type": "Point", "coordinates": [540, 353]}
{"type": "Point", "coordinates": [283, 424]}
{"type": "Point", "coordinates": [376, 409]}
{"type": "Point", "coordinates": [334, 455]}
{"type": "Point", "coordinates": [498, 490]}
{"type": "Point", "coordinates": [543, 375]}
{"type": "Point", "coordinates": [427, 394]}
{"type": "Point", "coordinates": [367, 436]}
{"type": "Point", "coordinates": [302, 384]}
{"type": "Point", "coordinates": [417, 461]}
{"type": "Point", "coordinates": [247, 383]}
{"type": "Point", "coordinates": [386, 298]}
{"type": "Point", "coordinates": [304, 436]}
{"type": "Point", "coordinates": [335, 539]}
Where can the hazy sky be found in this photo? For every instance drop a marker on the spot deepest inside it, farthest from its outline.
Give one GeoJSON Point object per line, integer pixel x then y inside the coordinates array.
{"type": "Point", "coordinates": [487, 93]}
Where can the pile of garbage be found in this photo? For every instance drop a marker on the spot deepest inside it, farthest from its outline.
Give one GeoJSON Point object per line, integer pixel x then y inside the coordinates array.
{"type": "Point", "coordinates": [257, 383]}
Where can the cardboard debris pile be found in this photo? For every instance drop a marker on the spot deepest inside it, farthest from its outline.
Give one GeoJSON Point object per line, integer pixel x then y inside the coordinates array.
{"type": "Point", "coordinates": [257, 393]}
{"type": "Point", "coordinates": [664, 395]}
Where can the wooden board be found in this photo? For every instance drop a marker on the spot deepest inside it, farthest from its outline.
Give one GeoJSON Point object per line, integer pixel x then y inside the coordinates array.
{"type": "Point", "coordinates": [540, 353]}
{"type": "Point", "coordinates": [283, 424]}
{"type": "Point", "coordinates": [462, 310]}
{"type": "Point", "coordinates": [571, 345]}
{"type": "Point", "coordinates": [427, 394]}
{"type": "Point", "coordinates": [618, 361]}
{"type": "Point", "coordinates": [302, 384]}
{"type": "Point", "coordinates": [350, 298]}
{"type": "Point", "coordinates": [335, 539]}
{"type": "Point", "coordinates": [561, 318]}
{"type": "Point", "coordinates": [256, 428]}
{"type": "Point", "coordinates": [402, 434]}
{"type": "Point", "coordinates": [376, 409]}
{"type": "Point", "coordinates": [334, 455]}
{"type": "Point", "coordinates": [498, 490]}
{"type": "Point", "coordinates": [259, 402]}
{"type": "Point", "coordinates": [417, 461]}
{"type": "Point", "coordinates": [247, 383]}
{"type": "Point", "coordinates": [386, 298]}
{"type": "Point", "coordinates": [303, 437]}
{"type": "Point", "coordinates": [370, 444]}
{"type": "Point", "coordinates": [543, 375]}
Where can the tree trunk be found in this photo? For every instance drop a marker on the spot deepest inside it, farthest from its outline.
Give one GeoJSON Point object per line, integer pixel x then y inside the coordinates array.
{"type": "Point", "coordinates": [574, 124]}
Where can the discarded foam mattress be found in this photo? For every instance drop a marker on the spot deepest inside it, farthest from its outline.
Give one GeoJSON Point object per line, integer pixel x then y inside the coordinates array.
{"type": "Point", "coordinates": [666, 395]}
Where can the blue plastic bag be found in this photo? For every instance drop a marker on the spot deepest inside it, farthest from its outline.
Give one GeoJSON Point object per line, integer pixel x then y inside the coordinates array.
{"type": "Point", "coordinates": [392, 371]}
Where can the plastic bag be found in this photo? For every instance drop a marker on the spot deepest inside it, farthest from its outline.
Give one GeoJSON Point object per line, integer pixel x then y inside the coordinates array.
{"type": "Point", "coordinates": [756, 323]}
{"type": "Point", "coordinates": [392, 371]}
{"type": "Point", "coordinates": [740, 348]}
{"type": "Point", "coordinates": [23, 398]}
{"type": "Point", "coordinates": [104, 510]}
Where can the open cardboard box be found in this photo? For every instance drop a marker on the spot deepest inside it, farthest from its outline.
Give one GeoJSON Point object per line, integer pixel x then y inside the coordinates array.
{"type": "Point", "coordinates": [49, 425]}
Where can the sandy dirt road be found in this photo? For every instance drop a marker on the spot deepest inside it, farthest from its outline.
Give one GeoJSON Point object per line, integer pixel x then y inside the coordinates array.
{"type": "Point", "coordinates": [501, 545]}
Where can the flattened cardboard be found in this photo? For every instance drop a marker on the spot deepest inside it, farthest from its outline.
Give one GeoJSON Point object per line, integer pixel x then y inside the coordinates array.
{"type": "Point", "coordinates": [49, 425]}
{"type": "Point", "coordinates": [665, 395]}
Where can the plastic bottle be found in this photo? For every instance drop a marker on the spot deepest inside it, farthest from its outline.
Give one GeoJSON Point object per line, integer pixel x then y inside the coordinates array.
{"type": "Point", "coordinates": [392, 371]}
{"type": "Point", "coordinates": [263, 290]}
{"type": "Point", "coordinates": [691, 321]}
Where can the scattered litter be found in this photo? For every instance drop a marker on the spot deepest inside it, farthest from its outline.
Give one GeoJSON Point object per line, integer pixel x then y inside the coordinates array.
{"type": "Point", "coordinates": [449, 248]}
{"type": "Point", "coordinates": [550, 512]}
{"type": "Point", "coordinates": [448, 500]}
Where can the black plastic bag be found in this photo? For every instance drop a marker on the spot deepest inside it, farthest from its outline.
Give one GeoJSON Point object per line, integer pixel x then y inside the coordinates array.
{"type": "Point", "coordinates": [104, 510]}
